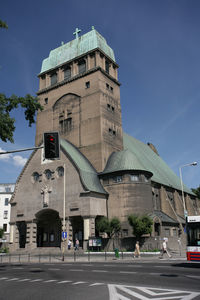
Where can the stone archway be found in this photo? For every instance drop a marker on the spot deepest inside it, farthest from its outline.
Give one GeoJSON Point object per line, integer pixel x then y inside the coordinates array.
{"type": "Point", "coordinates": [77, 229]}
{"type": "Point", "coordinates": [48, 228]}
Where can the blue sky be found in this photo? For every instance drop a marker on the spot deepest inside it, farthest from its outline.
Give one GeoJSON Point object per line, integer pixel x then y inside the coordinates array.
{"type": "Point", "coordinates": [156, 44]}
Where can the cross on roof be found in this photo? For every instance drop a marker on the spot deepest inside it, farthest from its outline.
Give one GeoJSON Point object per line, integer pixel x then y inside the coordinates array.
{"type": "Point", "coordinates": [77, 32]}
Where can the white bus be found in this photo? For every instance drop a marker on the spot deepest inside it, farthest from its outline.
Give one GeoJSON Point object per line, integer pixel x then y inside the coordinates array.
{"type": "Point", "coordinates": [193, 238]}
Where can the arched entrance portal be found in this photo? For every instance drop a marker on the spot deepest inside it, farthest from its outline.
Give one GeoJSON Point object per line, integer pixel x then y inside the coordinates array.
{"type": "Point", "coordinates": [48, 228]}
{"type": "Point", "coordinates": [77, 229]}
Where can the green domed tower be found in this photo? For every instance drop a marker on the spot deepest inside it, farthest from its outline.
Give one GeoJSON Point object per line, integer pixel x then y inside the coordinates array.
{"type": "Point", "coordinates": [80, 93]}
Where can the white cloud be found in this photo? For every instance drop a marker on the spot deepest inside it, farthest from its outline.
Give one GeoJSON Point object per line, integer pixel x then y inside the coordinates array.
{"type": "Point", "coordinates": [19, 161]}
{"type": "Point", "coordinates": [4, 157]}
{"type": "Point", "coordinates": [16, 160]}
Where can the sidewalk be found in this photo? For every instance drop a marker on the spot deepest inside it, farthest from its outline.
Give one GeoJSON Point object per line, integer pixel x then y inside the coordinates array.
{"type": "Point", "coordinates": [76, 256]}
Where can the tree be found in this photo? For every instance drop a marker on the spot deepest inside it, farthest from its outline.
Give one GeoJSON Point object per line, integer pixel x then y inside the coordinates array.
{"type": "Point", "coordinates": [197, 192]}
{"type": "Point", "coordinates": [140, 225]}
{"type": "Point", "coordinates": [111, 227]}
{"type": "Point", "coordinates": [3, 24]}
{"type": "Point", "coordinates": [7, 127]}
{"type": "Point", "coordinates": [28, 102]}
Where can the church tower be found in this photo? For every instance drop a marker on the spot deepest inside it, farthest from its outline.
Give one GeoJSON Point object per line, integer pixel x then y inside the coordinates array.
{"type": "Point", "coordinates": [80, 93]}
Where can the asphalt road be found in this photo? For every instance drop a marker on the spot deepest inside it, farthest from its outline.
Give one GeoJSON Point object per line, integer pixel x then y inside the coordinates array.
{"type": "Point", "coordinates": [107, 280]}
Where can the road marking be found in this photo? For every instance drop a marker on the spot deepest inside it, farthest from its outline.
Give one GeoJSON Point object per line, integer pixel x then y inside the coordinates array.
{"type": "Point", "coordinates": [193, 276]}
{"type": "Point", "coordinates": [12, 279]}
{"type": "Point", "coordinates": [97, 283]}
{"type": "Point", "coordinates": [36, 280]}
{"type": "Point", "coordinates": [126, 272]}
{"type": "Point", "coordinates": [51, 280]}
{"type": "Point", "coordinates": [53, 269]}
{"type": "Point", "coordinates": [119, 292]}
{"type": "Point", "coordinates": [64, 281]}
{"type": "Point", "coordinates": [79, 282]}
{"type": "Point", "coordinates": [87, 265]}
{"type": "Point", "coordinates": [100, 271]}
{"type": "Point", "coordinates": [18, 268]}
{"type": "Point", "coordinates": [76, 270]}
{"type": "Point", "coordinates": [107, 265]}
{"type": "Point", "coordinates": [25, 279]}
{"type": "Point", "coordinates": [3, 278]}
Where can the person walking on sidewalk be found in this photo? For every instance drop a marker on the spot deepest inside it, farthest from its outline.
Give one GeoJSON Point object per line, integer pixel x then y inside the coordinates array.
{"type": "Point", "coordinates": [137, 250]}
{"type": "Point", "coordinates": [77, 244]}
{"type": "Point", "coordinates": [164, 249]}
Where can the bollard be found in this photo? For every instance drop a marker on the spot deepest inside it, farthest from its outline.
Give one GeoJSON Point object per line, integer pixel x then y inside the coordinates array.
{"type": "Point", "coordinates": [88, 255]}
{"type": "Point", "coordinates": [74, 256]}
{"type": "Point", "coordinates": [29, 257]}
{"type": "Point", "coordinates": [105, 256]}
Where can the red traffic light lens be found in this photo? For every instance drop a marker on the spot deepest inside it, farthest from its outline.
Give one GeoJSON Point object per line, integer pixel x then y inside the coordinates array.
{"type": "Point", "coordinates": [51, 138]}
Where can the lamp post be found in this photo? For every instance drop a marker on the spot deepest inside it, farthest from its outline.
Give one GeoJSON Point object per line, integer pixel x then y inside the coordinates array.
{"type": "Point", "coordinates": [183, 198]}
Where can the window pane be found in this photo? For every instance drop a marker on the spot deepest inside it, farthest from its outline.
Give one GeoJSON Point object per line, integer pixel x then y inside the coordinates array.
{"type": "Point", "coordinates": [134, 178]}
{"type": "Point", "coordinates": [67, 73]}
{"type": "Point", "coordinates": [82, 67]}
{"type": "Point", "coordinates": [6, 201]}
{"type": "Point", "coordinates": [54, 79]}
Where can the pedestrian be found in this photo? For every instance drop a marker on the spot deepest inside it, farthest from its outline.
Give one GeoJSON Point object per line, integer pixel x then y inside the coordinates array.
{"type": "Point", "coordinates": [69, 244]}
{"type": "Point", "coordinates": [137, 250]}
{"type": "Point", "coordinates": [77, 244]}
{"type": "Point", "coordinates": [164, 249]}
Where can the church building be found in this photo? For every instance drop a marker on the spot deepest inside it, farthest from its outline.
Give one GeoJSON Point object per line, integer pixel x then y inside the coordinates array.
{"type": "Point", "coordinates": [102, 171]}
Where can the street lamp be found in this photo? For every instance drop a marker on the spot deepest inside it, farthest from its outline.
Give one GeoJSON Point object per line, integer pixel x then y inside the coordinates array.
{"type": "Point", "coordinates": [183, 198]}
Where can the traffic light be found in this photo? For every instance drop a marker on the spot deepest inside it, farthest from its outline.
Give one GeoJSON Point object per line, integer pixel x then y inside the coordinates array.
{"type": "Point", "coordinates": [51, 145]}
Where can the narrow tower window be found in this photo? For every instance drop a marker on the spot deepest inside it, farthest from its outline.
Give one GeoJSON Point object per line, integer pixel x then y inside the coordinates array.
{"type": "Point", "coordinates": [53, 78]}
{"type": "Point", "coordinates": [81, 66]}
{"type": "Point", "coordinates": [107, 66]}
{"type": "Point", "coordinates": [67, 73]}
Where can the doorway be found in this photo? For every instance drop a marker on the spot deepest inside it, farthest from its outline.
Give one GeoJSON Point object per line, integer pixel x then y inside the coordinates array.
{"type": "Point", "coordinates": [48, 228]}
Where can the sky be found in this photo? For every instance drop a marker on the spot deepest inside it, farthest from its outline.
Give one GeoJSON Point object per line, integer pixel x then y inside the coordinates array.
{"type": "Point", "coordinates": [156, 45]}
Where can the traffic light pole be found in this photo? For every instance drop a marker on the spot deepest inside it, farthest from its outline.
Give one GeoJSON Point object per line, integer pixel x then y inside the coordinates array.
{"type": "Point", "coordinates": [64, 221]}
{"type": "Point", "coordinates": [21, 150]}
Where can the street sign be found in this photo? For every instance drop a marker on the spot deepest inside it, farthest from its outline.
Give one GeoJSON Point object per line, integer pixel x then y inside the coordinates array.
{"type": "Point", "coordinates": [64, 234]}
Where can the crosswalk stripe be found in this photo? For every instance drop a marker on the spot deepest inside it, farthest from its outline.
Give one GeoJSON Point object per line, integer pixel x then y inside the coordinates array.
{"type": "Point", "coordinates": [79, 282]}
{"type": "Point", "coordinates": [3, 278]}
{"type": "Point", "coordinates": [64, 281]}
{"type": "Point", "coordinates": [35, 280]}
{"type": "Point", "coordinates": [25, 279]}
{"type": "Point", "coordinates": [12, 279]}
{"type": "Point", "coordinates": [51, 280]}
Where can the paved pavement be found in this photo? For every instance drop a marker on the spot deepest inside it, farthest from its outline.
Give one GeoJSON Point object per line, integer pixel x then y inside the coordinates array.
{"type": "Point", "coordinates": [77, 256]}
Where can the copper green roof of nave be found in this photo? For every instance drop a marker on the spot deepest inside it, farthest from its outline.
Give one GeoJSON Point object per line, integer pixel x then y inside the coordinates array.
{"type": "Point", "coordinates": [161, 171]}
{"type": "Point", "coordinates": [88, 174]}
{"type": "Point", "coordinates": [75, 48]}
{"type": "Point", "coordinates": [138, 156]}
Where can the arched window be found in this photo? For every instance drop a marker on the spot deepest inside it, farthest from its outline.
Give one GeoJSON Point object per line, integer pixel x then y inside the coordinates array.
{"type": "Point", "coordinates": [60, 171]}
{"type": "Point", "coordinates": [48, 174]}
{"type": "Point", "coordinates": [35, 177]}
